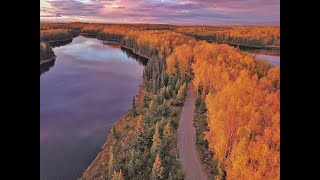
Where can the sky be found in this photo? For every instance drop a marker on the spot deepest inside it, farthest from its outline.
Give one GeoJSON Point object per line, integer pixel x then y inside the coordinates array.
{"type": "Point", "coordinates": [162, 11]}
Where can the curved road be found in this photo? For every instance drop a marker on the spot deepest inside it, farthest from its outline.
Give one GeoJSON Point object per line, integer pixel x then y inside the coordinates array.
{"type": "Point", "coordinates": [188, 154]}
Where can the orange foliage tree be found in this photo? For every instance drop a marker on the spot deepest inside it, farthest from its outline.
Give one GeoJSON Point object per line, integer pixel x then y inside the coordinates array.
{"type": "Point", "coordinates": [242, 95]}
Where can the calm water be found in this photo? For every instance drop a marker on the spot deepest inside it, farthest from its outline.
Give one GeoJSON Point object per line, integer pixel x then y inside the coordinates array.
{"type": "Point", "coordinates": [274, 60]}
{"type": "Point", "coordinates": [82, 93]}
{"type": "Point", "coordinates": [272, 56]}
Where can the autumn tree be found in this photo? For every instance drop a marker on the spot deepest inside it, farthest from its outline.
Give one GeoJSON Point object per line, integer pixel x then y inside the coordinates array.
{"type": "Point", "coordinates": [179, 62]}
{"type": "Point", "coordinates": [117, 176]}
{"type": "Point", "coordinates": [139, 134]}
{"type": "Point", "coordinates": [111, 163]}
{"type": "Point", "coordinates": [114, 175]}
{"type": "Point", "coordinates": [156, 140]}
{"type": "Point", "coordinates": [139, 127]}
{"type": "Point", "coordinates": [157, 169]}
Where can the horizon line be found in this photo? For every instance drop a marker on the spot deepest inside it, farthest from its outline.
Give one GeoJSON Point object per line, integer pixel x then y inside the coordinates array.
{"type": "Point", "coordinates": [175, 24]}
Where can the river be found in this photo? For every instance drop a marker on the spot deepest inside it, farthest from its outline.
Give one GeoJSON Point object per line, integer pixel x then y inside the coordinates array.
{"type": "Point", "coordinates": [82, 93]}
{"type": "Point", "coordinates": [272, 56]}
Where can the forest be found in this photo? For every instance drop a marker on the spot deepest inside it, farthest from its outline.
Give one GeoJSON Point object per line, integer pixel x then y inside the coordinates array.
{"type": "Point", "coordinates": [242, 99]}
{"type": "Point", "coordinates": [252, 36]}
{"type": "Point", "coordinates": [237, 114]}
{"type": "Point", "coordinates": [55, 35]}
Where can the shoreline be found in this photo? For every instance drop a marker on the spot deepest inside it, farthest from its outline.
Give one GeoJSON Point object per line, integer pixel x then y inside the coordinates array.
{"type": "Point", "coordinates": [47, 60]}
{"type": "Point", "coordinates": [126, 47]}
{"type": "Point", "coordinates": [58, 40]}
{"type": "Point", "coordinates": [97, 165]}
{"type": "Point", "coordinates": [98, 162]}
{"type": "Point", "coordinates": [251, 47]}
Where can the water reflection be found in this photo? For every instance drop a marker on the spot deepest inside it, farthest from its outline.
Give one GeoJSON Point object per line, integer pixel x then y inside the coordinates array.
{"type": "Point", "coordinates": [274, 60]}
{"type": "Point", "coordinates": [89, 87]}
{"type": "Point", "coordinates": [272, 56]}
{"type": "Point", "coordinates": [45, 67]}
{"type": "Point", "coordinates": [86, 35]}
{"type": "Point", "coordinates": [60, 43]}
{"type": "Point", "coordinates": [132, 55]}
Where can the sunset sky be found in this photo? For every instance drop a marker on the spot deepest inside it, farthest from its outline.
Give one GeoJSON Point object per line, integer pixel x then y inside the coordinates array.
{"type": "Point", "coordinates": [162, 11]}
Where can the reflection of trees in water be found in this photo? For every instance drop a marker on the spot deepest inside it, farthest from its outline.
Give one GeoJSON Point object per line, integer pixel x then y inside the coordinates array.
{"type": "Point", "coordinates": [60, 43]}
{"type": "Point", "coordinates": [46, 66]}
{"type": "Point", "coordinates": [115, 46]}
{"type": "Point", "coordinates": [142, 60]}
{"type": "Point", "coordinates": [91, 36]}
{"type": "Point", "coordinates": [265, 52]}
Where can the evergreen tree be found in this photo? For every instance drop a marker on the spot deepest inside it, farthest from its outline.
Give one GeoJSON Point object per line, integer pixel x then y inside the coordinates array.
{"type": "Point", "coordinates": [154, 86]}
{"type": "Point", "coordinates": [162, 95]}
{"type": "Point", "coordinates": [156, 140]}
{"type": "Point", "coordinates": [144, 104]}
{"type": "Point", "coordinates": [168, 91]}
{"type": "Point", "coordinates": [114, 134]}
{"type": "Point", "coordinates": [134, 109]}
{"type": "Point", "coordinates": [131, 168]}
{"type": "Point", "coordinates": [162, 83]}
{"type": "Point", "coordinates": [157, 169]}
{"type": "Point", "coordinates": [170, 176]}
{"type": "Point", "coordinates": [168, 134]}
{"type": "Point", "coordinates": [181, 94]}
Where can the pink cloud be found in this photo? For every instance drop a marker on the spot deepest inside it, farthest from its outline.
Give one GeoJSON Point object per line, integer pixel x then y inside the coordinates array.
{"type": "Point", "coordinates": [157, 11]}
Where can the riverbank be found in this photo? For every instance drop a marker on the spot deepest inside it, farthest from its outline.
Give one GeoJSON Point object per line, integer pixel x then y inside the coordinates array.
{"type": "Point", "coordinates": [47, 60]}
{"type": "Point", "coordinates": [98, 167]}
{"type": "Point", "coordinates": [88, 35]}
{"type": "Point", "coordinates": [60, 40]}
{"type": "Point", "coordinates": [133, 51]}
{"type": "Point", "coordinates": [249, 47]}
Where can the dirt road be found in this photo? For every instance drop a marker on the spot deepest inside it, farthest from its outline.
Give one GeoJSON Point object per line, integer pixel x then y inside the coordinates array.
{"type": "Point", "coordinates": [188, 154]}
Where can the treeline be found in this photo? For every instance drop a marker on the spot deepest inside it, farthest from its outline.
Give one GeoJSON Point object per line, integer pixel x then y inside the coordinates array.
{"type": "Point", "coordinates": [243, 35]}
{"type": "Point", "coordinates": [55, 35]}
{"type": "Point", "coordinates": [160, 43]}
{"type": "Point", "coordinates": [92, 29]}
{"type": "Point", "coordinates": [74, 28]}
{"type": "Point", "coordinates": [242, 98]}
{"type": "Point", "coordinates": [46, 51]}
{"type": "Point", "coordinates": [253, 36]}
{"type": "Point", "coordinates": [115, 32]}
